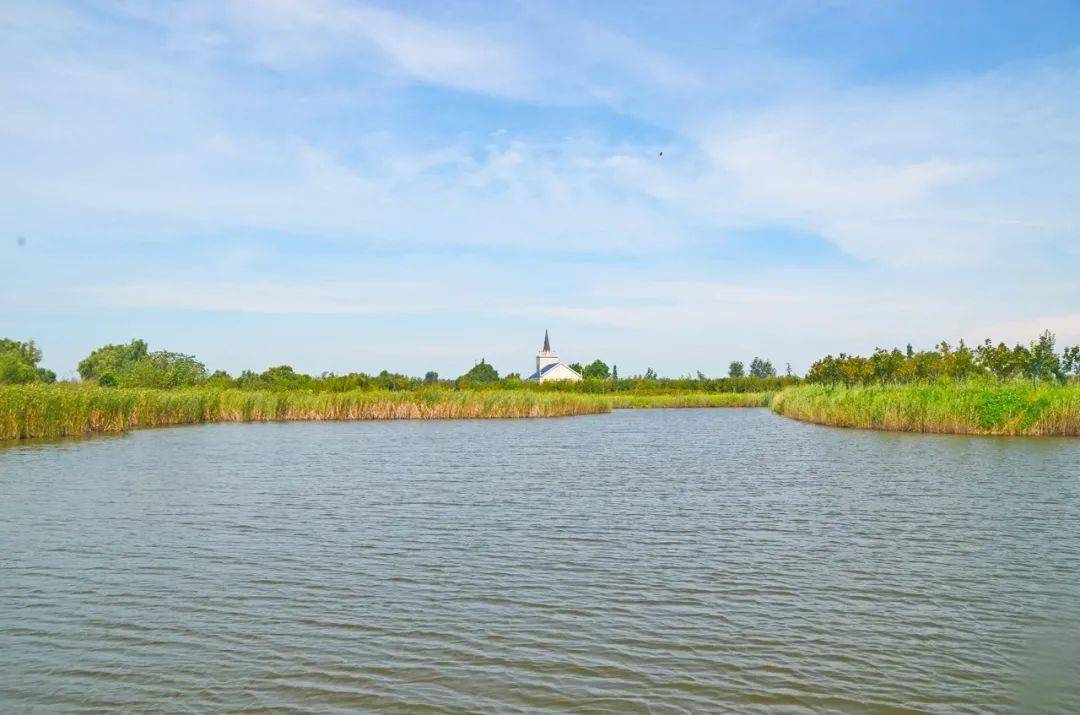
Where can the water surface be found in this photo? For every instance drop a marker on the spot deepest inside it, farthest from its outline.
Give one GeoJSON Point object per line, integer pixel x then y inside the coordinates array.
{"type": "Point", "coordinates": [652, 560]}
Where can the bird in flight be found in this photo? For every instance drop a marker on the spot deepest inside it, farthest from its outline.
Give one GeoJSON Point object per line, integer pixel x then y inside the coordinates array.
{"type": "Point", "coordinates": [661, 154]}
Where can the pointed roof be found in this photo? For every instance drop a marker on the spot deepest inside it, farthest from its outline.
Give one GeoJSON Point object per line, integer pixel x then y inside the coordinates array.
{"type": "Point", "coordinates": [547, 344]}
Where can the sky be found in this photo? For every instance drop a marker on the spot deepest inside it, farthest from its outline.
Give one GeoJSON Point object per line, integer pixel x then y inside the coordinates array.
{"type": "Point", "coordinates": [356, 186]}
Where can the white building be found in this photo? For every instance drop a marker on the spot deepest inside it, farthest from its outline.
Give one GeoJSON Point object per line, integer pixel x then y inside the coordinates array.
{"type": "Point", "coordinates": [548, 366]}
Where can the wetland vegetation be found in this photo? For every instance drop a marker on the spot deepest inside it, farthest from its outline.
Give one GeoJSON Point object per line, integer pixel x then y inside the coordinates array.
{"type": "Point", "coordinates": [991, 389]}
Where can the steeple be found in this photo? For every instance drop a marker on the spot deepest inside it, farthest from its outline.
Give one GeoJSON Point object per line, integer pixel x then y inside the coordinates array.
{"type": "Point", "coordinates": [547, 345]}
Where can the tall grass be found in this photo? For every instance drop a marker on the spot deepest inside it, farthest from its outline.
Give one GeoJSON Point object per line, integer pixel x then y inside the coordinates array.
{"type": "Point", "coordinates": [50, 411]}
{"type": "Point", "coordinates": [1013, 408]}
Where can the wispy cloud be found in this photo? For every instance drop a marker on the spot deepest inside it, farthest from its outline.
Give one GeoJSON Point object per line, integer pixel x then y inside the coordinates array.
{"type": "Point", "coordinates": [323, 298]}
{"type": "Point", "coordinates": [289, 33]}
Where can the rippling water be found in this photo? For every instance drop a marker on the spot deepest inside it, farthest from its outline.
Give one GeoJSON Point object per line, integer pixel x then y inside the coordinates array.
{"type": "Point", "coordinates": [663, 561]}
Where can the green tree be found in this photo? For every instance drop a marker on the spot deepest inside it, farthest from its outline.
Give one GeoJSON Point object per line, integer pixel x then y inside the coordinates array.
{"type": "Point", "coordinates": [112, 359]}
{"type": "Point", "coordinates": [735, 369]}
{"type": "Point", "coordinates": [614, 372]}
{"type": "Point", "coordinates": [761, 368]}
{"type": "Point", "coordinates": [431, 377]}
{"type": "Point", "coordinates": [885, 365]}
{"type": "Point", "coordinates": [650, 374]}
{"type": "Point", "coordinates": [856, 370]}
{"type": "Point", "coordinates": [577, 367]}
{"type": "Point", "coordinates": [960, 363]}
{"type": "Point", "coordinates": [220, 379]}
{"type": "Point", "coordinates": [996, 359]}
{"type": "Point", "coordinates": [19, 363]}
{"type": "Point", "coordinates": [284, 377]}
{"type": "Point", "coordinates": [25, 352]}
{"type": "Point", "coordinates": [13, 371]}
{"type": "Point", "coordinates": [1070, 360]}
{"type": "Point", "coordinates": [1043, 362]}
{"type": "Point", "coordinates": [481, 372]}
{"type": "Point", "coordinates": [597, 369]}
{"type": "Point", "coordinates": [249, 380]}
{"type": "Point", "coordinates": [827, 370]}
{"type": "Point", "coordinates": [394, 381]}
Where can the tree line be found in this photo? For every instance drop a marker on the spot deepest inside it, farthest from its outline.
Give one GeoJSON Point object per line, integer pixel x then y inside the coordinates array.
{"type": "Point", "coordinates": [134, 364]}
{"type": "Point", "coordinates": [1036, 361]}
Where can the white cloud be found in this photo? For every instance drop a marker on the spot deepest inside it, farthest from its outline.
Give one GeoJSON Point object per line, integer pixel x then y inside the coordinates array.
{"type": "Point", "coordinates": [960, 196]}
{"type": "Point", "coordinates": [954, 171]}
{"type": "Point", "coordinates": [323, 298]}
{"type": "Point", "coordinates": [288, 33]}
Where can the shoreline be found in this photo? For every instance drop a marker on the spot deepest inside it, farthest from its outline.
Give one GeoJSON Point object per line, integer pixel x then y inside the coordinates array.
{"type": "Point", "coordinates": [48, 412]}
{"type": "Point", "coordinates": [976, 408]}
{"type": "Point", "coordinates": [60, 411]}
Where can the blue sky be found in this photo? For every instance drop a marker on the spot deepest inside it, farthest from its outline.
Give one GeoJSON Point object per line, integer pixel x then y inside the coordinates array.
{"type": "Point", "coordinates": [345, 185]}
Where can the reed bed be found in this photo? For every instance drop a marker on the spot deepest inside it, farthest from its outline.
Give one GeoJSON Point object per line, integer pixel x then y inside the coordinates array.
{"type": "Point", "coordinates": [51, 411]}
{"type": "Point", "coordinates": [1014, 408]}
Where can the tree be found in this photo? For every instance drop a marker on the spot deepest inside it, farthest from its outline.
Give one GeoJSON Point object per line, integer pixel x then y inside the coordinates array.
{"type": "Point", "coordinates": [481, 372]}
{"type": "Point", "coordinates": [163, 370]}
{"type": "Point", "coordinates": [1070, 360]}
{"type": "Point", "coordinates": [735, 369]}
{"type": "Point", "coordinates": [1043, 362]}
{"type": "Point", "coordinates": [13, 371]}
{"type": "Point", "coordinates": [431, 377]}
{"type": "Point", "coordinates": [650, 374]}
{"type": "Point", "coordinates": [996, 359]}
{"type": "Point", "coordinates": [221, 379]}
{"type": "Point", "coordinates": [248, 380]}
{"type": "Point", "coordinates": [961, 363]}
{"type": "Point", "coordinates": [283, 377]}
{"type": "Point", "coordinates": [885, 365]}
{"type": "Point", "coordinates": [112, 360]}
{"type": "Point", "coordinates": [19, 363]}
{"type": "Point", "coordinates": [701, 376]}
{"type": "Point", "coordinates": [392, 381]}
{"type": "Point", "coordinates": [597, 370]}
{"type": "Point", "coordinates": [25, 352]}
{"type": "Point", "coordinates": [827, 370]}
{"type": "Point", "coordinates": [761, 368]}
{"type": "Point", "coordinates": [576, 367]}
{"type": "Point", "coordinates": [614, 372]}
{"type": "Point", "coordinates": [787, 370]}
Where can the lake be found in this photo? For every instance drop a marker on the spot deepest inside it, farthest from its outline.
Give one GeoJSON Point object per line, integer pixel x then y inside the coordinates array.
{"type": "Point", "coordinates": [642, 561]}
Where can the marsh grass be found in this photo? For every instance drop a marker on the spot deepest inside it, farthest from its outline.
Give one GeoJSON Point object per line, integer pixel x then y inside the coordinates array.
{"type": "Point", "coordinates": [50, 411]}
{"type": "Point", "coordinates": [978, 407]}
{"type": "Point", "coordinates": [53, 411]}
{"type": "Point", "coordinates": [59, 410]}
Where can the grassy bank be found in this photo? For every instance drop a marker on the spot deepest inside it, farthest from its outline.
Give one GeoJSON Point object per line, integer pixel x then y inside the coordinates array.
{"type": "Point", "coordinates": [66, 410]}
{"type": "Point", "coordinates": [1014, 408]}
{"type": "Point", "coordinates": [50, 411]}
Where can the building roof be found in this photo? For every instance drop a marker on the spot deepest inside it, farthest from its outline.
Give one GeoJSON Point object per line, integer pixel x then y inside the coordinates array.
{"type": "Point", "coordinates": [543, 371]}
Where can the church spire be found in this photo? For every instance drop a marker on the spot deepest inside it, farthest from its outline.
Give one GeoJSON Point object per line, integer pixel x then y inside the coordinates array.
{"type": "Point", "coordinates": [547, 345]}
